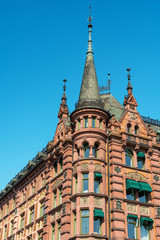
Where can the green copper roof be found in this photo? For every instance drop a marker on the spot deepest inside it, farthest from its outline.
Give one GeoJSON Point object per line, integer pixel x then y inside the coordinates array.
{"type": "Point", "coordinates": [89, 94]}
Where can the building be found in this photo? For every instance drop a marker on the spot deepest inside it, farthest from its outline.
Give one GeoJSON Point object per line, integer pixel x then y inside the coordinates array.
{"type": "Point", "coordinates": [98, 179]}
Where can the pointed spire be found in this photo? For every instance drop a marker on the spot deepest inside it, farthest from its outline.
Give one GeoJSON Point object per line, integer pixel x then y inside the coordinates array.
{"type": "Point", "coordinates": [90, 33]}
{"type": "Point", "coordinates": [89, 94]}
{"type": "Point", "coordinates": [63, 110]}
{"type": "Point", "coordinates": [129, 86]}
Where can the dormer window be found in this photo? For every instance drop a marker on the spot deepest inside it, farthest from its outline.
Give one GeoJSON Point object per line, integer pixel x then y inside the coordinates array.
{"type": "Point", "coordinates": [136, 130]}
{"type": "Point", "coordinates": [128, 127]}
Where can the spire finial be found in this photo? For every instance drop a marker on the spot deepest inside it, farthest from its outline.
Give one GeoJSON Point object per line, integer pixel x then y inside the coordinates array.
{"type": "Point", "coordinates": [129, 76]}
{"type": "Point", "coordinates": [64, 89]}
{"type": "Point", "coordinates": [90, 32]}
{"type": "Point", "coordinates": [64, 86]}
{"type": "Point", "coordinates": [129, 86]}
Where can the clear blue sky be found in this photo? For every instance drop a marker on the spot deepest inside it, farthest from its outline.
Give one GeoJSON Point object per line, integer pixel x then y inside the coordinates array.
{"type": "Point", "coordinates": [43, 42]}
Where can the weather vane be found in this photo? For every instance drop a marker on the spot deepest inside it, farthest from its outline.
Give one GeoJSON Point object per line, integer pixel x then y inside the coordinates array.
{"type": "Point", "coordinates": [129, 76]}
{"type": "Point", "coordinates": [106, 87]}
{"type": "Point", "coordinates": [90, 17]}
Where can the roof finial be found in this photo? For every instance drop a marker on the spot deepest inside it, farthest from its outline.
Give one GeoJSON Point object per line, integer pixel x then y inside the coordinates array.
{"type": "Point", "coordinates": [64, 89]}
{"type": "Point", "coordinates": [90, 31]}
{"type": "Point", "coordinates": [129, 86]}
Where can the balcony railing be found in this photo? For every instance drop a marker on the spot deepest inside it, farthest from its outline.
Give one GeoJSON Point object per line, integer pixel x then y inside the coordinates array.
{"type": "Point", "coordinates": [151, 121]}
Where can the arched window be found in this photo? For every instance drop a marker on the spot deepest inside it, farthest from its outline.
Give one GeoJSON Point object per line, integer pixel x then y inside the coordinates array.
{"type": "Point", "coordinates": [128, 127]}
{"type": "Point", "coordinates": [129, 157]}
{"type": "Point", "coordinates": [95, 150]}
{"type": "Point", "coordinates": [136, 129]}
{"type": "Point", "coordinates": [140, 160]}
{"type": "Point", "coordinates": [86, 150]}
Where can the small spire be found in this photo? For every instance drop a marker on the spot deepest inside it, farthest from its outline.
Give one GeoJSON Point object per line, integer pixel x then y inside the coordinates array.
{"type": "Point", "coordinates": [109, 83]}
{"type": "Point", "coordinates": [64, 90]}
{"type": "Point", "coordinates": [90, 32]}
{"type": "Point", "coordinates": [129, 86]}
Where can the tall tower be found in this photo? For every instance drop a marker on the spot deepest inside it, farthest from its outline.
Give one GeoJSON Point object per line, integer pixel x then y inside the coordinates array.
{"type": "Point", "coordinates": [88, 212]}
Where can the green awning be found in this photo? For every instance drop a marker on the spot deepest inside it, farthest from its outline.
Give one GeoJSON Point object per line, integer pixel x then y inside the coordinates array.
{"type": "Point", "coordinates": [132, 184]}
{"type": "Point", "coordinates": [132, 216]}
{"type": "Point", "coordinates": [145, 187]}
{"type": "Point", "coordinates": [97, 175]}
{"type": "Point", "coordinates": [98, 213]}
{"type": "Point", "coordinates": [147, 221]}
{"type": "Point", "coordinates": [129, 151]}
{"type": "Point", "coordinates": [140, 155]}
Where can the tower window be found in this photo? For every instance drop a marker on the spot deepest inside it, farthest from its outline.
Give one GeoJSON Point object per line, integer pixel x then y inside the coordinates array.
{"type": "Point", "coordinates": [100, 123]}
{"type": "Point", "coordinates": [85, 221]}
{"type": "Point", "coordinates": [78, 124]}
{"type": "Point", "coordinates": [86, 122]}
{"type": "Point", "coordinates": [85, 182]}
{"type": "Point", "coordinates": [61, 164]}
{"type": "Point", "coordinates": [55, 168]}
{"type": "Point", "coordinates": [86, 150]}
{"type": "Point", "coordinates": [95, 150]}
{"type": "Point", "coordinates": [93, 122]}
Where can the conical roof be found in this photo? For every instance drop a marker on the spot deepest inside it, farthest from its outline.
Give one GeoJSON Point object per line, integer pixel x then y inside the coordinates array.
{"type": "Point", "coordinates": [129, 86]}
{"type": "Point", "coordinates": [89, 94]}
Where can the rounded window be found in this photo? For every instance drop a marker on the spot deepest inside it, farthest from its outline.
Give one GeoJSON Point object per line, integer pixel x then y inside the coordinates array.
{"type": "Point", "coordinates": [129, 157]}
{"type": "Point", "coordinates": [140, 160]}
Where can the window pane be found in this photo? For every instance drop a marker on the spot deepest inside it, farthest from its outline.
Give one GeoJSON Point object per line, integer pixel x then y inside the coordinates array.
{"type": "Point", "coordinates": [93, 122]}
{"type": "Point", "coordinates": [131, 230]}
{"type": "Point", "coordinates": [85, 225]}
{"type": "Point", "coordinates": [128, 160]}
{"type": "Point", "coordinates": [85, 185]}
{"type": "Point", "coordinates": [85, 213]}
{"type": "Point", "coordinates": [97, 225]}
{"type": "Point", "coordinates": [96, 186]}
{"type": "Point", "coordinates": [86, 152]}
{"type": "Point", "coordinates": [144, 233]}
{"type": "Point", "coordinates": [140, 162]}
{"type": "Point", "coordinates": [86, 122]}
{"type": "Point", "coordinates": [142, 197]}
{"type": "Point", "coordinates": [130, 194]}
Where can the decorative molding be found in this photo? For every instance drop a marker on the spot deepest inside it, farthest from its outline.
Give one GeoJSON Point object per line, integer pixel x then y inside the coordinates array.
{"type": "Point", "coordinates": [156, 178]}
{"type": "Point", "coordinates": [59, 213]}
{"type": "Point", "coordinates": [97, 167]}
{"type": "Point", "coordinates": [117, 169]}
{"type": "Point", "coordinates": [84, 201]}
{"type": "Point", "coordinates": [32, 201]}
{"type": "Point", "coordinates": [57, 183]}
{"type": "Point", "coordinates": [144, 210]}
{"type": "Point", "coordinates": [53, 217]}
{"type": "Point", "coordinates": [42, 194]}
{"type": "Point", "coordinates": [98, 201]}
{"type": "Point", "coordinates": [158, 211]}
{"type": "Point", "coordinates": [136, 176]}
{"type": "Point", "coordinates": [84, 166]}
{"type": "Point", "coordinates": [132, 208]}
{"type": "Point", "coordinates": [118, 205]}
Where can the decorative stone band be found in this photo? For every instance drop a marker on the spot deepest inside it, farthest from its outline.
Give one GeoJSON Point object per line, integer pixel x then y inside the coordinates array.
{"type": "Point", "coordinates": [136, 176]}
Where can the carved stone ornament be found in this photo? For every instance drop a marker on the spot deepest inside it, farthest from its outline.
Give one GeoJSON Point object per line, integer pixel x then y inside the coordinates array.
{"type": "Point", "coordinates": [133, 116]}
{"type": "Point", "coordinates": [132, 208]}
{"type": "Point", "coordinates": [136, 176]}
{"type": "Point", "coordinates": [144, 210]}
{"type": "Point", "coordinates": [98, 202]}
{"type": "Point", "coordinates": [158, 211]}
{"type": "Point", "coordinates": [57, 183]}
{"type": "Point", "coordinates": [65, 175]}
{"type": "Point", "coordinates": [42, 194]}
{"type": "Point", "coordinates": [117, 169]}
{"type": "Point", "coordinates": [85, 167]}
{"type": "Point", "coordinates": [84, 201]}
{"type": "Point", "coordinates": [32, 201]}
{"type": "Point", "coordinates": [22, 209]}
{"type": "Point", "coordinates": [58, 213]}
{"type": "Point", "coordinates": [118, 205]}
{"type": "Point", "coordinates": [97, 167]}
{"type": "Point", "coordinates": [53, 217]}
{"type": "Point", "coordinates": [156, 178]}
